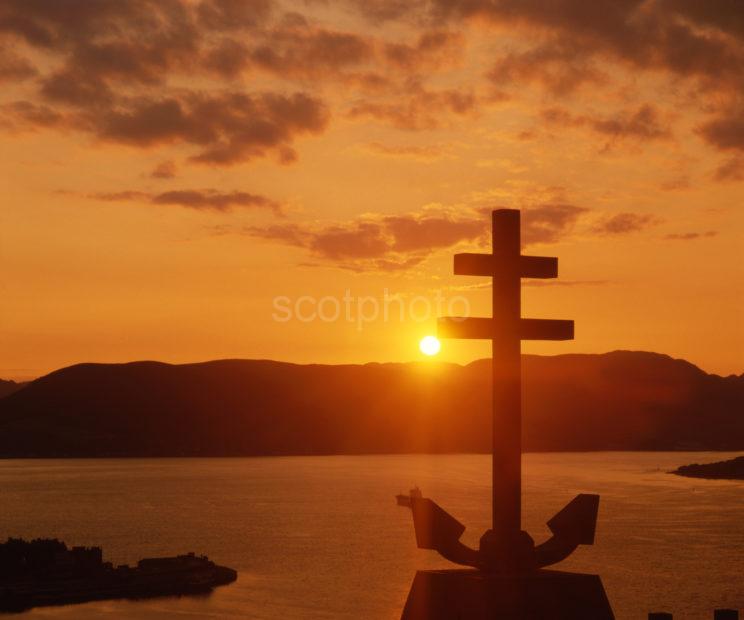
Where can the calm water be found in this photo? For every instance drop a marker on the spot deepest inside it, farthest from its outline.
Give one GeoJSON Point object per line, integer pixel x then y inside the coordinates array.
{"type": "Point", "coordinates": [321, 537]}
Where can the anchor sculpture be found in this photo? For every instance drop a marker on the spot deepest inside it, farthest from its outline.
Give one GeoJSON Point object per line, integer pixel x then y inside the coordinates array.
{"type": "Point", "coordinates": [507, 582]}
{"type": "Point", "coordinates": [438, 530]}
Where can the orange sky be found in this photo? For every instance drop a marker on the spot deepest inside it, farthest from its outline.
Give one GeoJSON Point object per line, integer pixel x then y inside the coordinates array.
{"type": "Point", "coordinates": [170, 168]}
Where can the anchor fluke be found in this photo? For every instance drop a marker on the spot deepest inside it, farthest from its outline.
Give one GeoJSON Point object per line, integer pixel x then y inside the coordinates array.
{"type": "Point", "coordinates": [434, 526]}
{"type": "Point", "coordinates": [438, 530]}
{"type": "Point", "coordinates": [574, 525]}
{"type": "Point", "coordinates": [577, 519]}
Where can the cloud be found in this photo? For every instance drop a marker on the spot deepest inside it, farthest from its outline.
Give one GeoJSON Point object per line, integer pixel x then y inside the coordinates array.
{"type": "Point", "coordinates": [724, 15]}
{"type": "Point", "coordinates": [677, 37]}
{"type": "Point", "coordinates": [14, 68]}
{"type": "Point", "coordinates": [559, 282]}
{"type": "Point", "coordinates": [227, 15]}
{"type": "Point", "coordinates": [203, 199]}
{"type": "Point", "coordinates": [164, 170]}
{"type": "Point", "coordinates": [432, 50]}
{"type": "Point", "coordinates": [726, 132]}
{"type": "Point", "coordinates": [550, 222]}
{"type": "Point", "coordinates": [305, 51]}
{"type": "Point", "coordinates": [28, 115]}
{"type": "Point", "coordinates": [380, 11]}
{"type": "Point", "coordinates": [110, 65]}
{"type": "Point", "coordinates": [564, 44]}
{"type": "Point", "coordinates": [227, 128]}
{"type": "Point", "coordinates": [643, 124]}
{"type": "Point", "coordinates": [124, 195]}
{"type": "Point", "coordinates": [691, 236]}
{"type": "Point", "coordinates": [429, 231]}
{"type": "Point", "coordinates": [377, 242]}
{"type": "Point", "coordinates": [681, 181]}
{"type": "Point", "coordinates": [730, 170]}
{"type": "Point", "coordinates": [416, 153]}
{"type": "Point", "coordinates": [417, 108]}
{"type": "Point", "coordinates": [380, 242]}
{"type": "Point", "coordinates": [623, 223]}
{"type": "Point", "coordinates": [558, 66]}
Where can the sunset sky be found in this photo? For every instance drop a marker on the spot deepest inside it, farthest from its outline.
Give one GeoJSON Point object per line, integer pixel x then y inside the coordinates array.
{"type": "Point", "coordinates": [169, 168]}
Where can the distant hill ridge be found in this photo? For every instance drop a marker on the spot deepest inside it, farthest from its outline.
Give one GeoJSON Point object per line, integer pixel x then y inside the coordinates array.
{"type": "Point", "coordinates": [8, 387]}
{"type": "Point", "coordinates": [621, 400]}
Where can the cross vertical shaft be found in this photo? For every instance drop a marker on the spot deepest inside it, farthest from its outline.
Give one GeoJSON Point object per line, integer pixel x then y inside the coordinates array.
{"type": "Point", "coordinates": [507, 375]}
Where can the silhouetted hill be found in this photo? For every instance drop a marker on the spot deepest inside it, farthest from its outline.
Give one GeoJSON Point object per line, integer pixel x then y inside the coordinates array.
{"type": "Point", "coordinates": [615, 401]}
{"type": "Point", "coordinates": [8, 387]}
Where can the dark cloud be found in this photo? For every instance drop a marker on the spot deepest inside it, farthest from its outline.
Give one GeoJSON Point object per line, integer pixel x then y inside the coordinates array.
{"type": "Point", "coordinates": [164, 170]}
{"type": "Point", "coordinates": [726, 131]}
{"type": "Point", "coordinates": [394, 242]}
{"type": "Point", "coordinates": [227, 58]}
{"type": "Point", "coordinates": [559, 282]}
{"type": "Point", "coordinates": [71, 87]}
{"type": "Point", "coordinates": [379, 243]}
{"type": "Point", "coordinates": [14, 68]}
{"type": "Point", "coordinates": [623, 223]}
{"type": "Point", "coordinates": [730, 170]}
{"type": "Point", "coordinates": [646, 35]}
{"type": "Point", "coordinates": [416, 107]}
{"type": "Point", "coordinates": [203, 199]}
{"type": "Point", "coordinates": [572, 38]}
{"type": "Point", "coordinates": [643, 124]}
{"type": "Point", "coordinates": [310, 52]}
{"type": "Point", "coordinates": [138, 40]}
{"type": "Point", "coordinates": [124, 195]}
{"type": "Point", "coordinates": [144, 42]}
{"type": "Point", "coordinates": [361, 240]}
{"type": "Point", "coordinates": [298, 49]}
{"type": "Point", "coordinates": [432, 50]}
{"type": "Point", "coordinates": [381, 237]}
{"type": "Point", "coordinates": [227, 128]}
{"type": "Point", "coordinates": [116, 70]}
{"type": "Point", "coordinates": [114, 61]}
{"type": "Point", "coordinates": [548, 223]}
{"type": "Point", "coordinates": [428, 232]}
{"type": "Point", "coordinates": [29, 115]}
{"type": "Point", "coordinates": [691, 236]}
{"type": "Point", "coordinates": [415, 153]}
{"type": "Point", "coordinates": [724, 15]}
{"type": "Point", "coordinates": [681, 181]}
{"type": "Point", "coordinates": [234, 14]}
{"type": "Point", "coordinates": [558, 66]}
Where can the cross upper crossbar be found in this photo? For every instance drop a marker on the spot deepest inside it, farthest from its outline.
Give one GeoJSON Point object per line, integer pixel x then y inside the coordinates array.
{"type": "Point", "coordinates": [487, 264]}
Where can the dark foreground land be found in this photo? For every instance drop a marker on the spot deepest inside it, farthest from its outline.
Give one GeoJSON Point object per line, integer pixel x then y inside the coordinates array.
{"type": "Point", "coordinates": [45, 572]}
{"type": "Point", "coordinates": [722, 470]}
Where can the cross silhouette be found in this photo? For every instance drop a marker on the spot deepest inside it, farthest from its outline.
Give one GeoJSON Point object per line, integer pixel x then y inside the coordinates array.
{"type": "Point", "coordinates": [506, 329]}
{"type": "Point", "coordinates": [509, 580]}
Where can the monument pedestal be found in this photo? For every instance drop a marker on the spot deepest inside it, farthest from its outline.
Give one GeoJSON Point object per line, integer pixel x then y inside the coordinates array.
{"type": "Point", "coordinates": [474, 595]}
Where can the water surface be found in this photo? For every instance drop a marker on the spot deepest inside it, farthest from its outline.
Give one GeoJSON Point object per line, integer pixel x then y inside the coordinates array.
{"type": "Point", "coordinates": [322, 537]}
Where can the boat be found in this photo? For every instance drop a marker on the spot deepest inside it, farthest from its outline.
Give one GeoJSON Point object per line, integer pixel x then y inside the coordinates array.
{"type": "Point", "coordinates": [405, 500]}
{"type": "Point", "coordinates": [45, 572]}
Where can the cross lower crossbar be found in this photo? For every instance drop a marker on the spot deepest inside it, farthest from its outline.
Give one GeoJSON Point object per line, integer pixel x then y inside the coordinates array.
{"type": "Point", "coordinates": [486, 329]}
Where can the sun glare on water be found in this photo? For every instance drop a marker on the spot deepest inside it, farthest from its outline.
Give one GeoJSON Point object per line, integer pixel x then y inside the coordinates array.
{"type": "Point", "coordinates": [429, 345]}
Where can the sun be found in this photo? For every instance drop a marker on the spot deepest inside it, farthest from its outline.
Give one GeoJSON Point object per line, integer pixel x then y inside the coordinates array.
{"type": "Point", "coordinates": [429, 345]}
